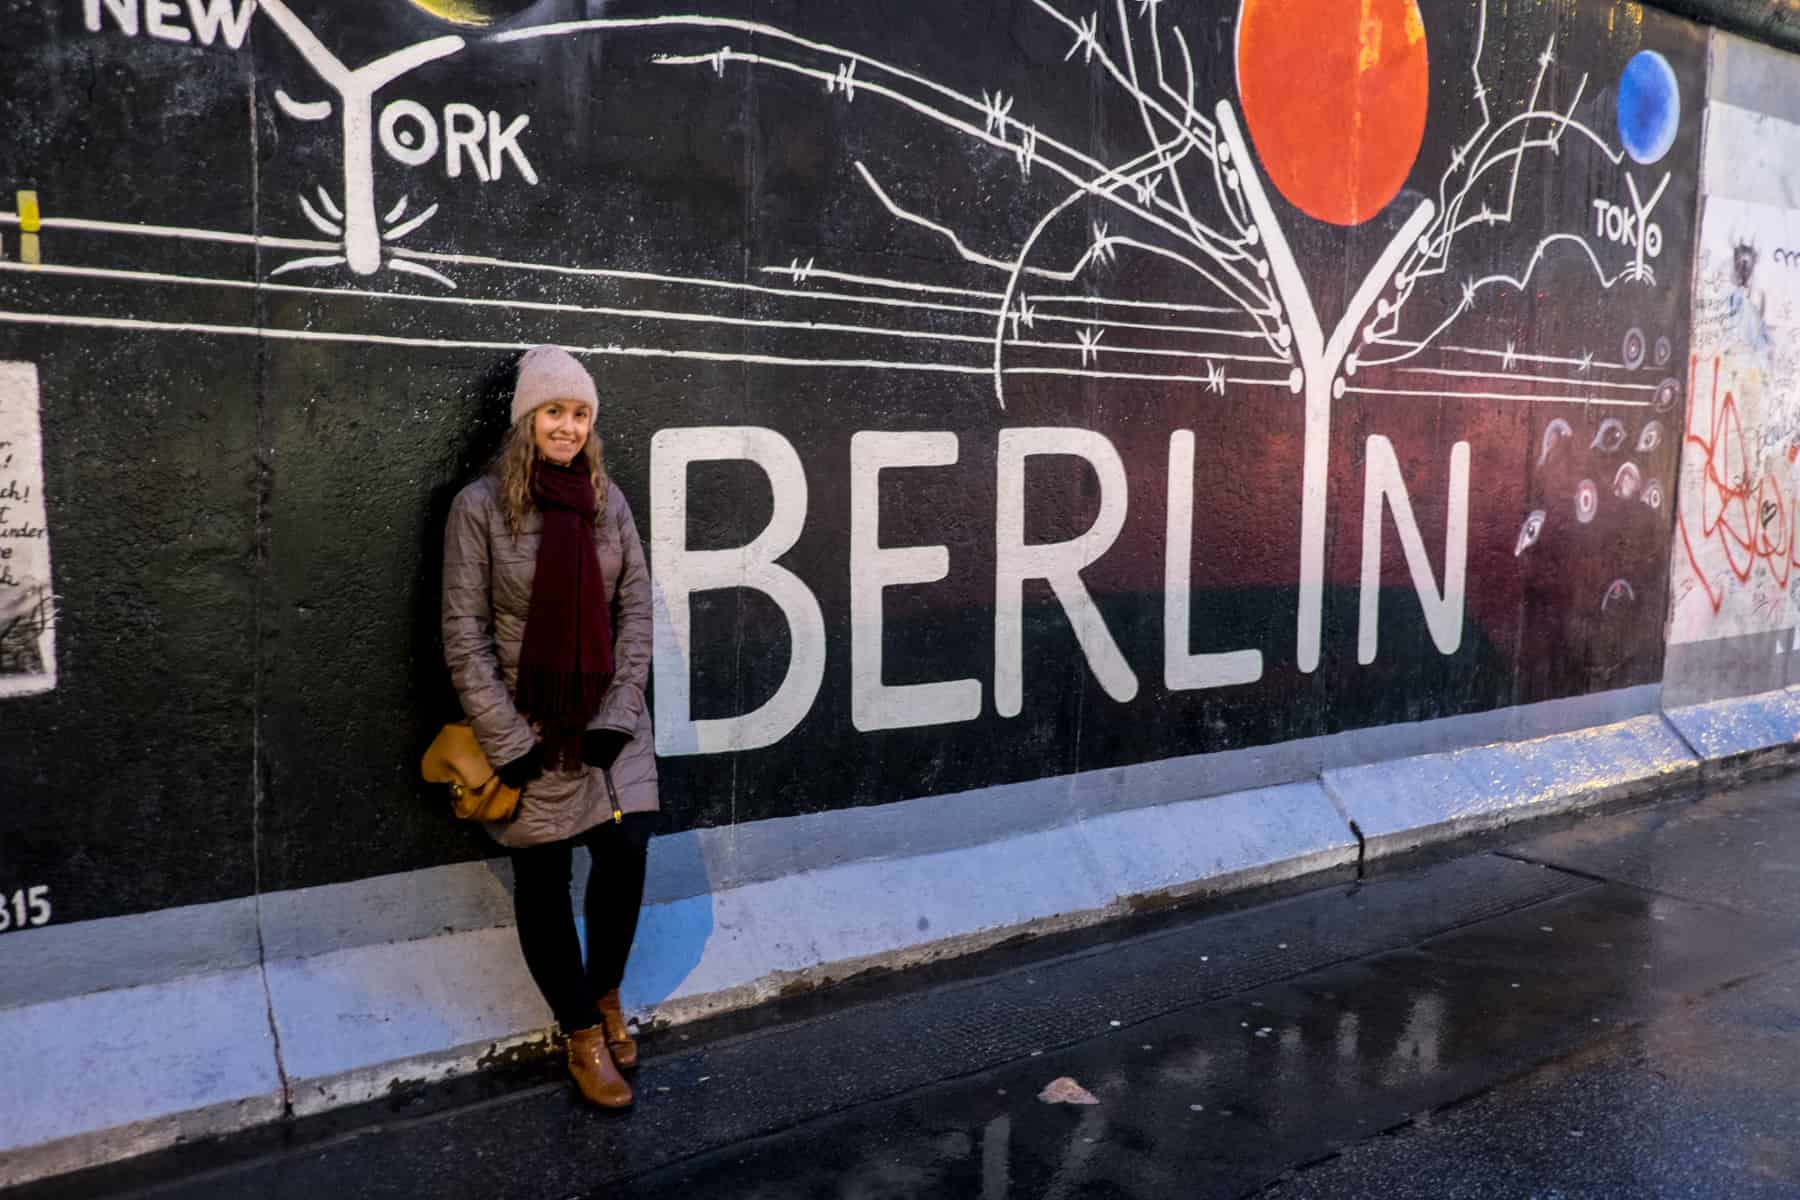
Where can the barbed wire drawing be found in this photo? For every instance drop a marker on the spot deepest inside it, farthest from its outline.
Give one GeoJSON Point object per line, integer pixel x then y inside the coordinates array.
{"type": "Point", "coordinates": [1236, 249]}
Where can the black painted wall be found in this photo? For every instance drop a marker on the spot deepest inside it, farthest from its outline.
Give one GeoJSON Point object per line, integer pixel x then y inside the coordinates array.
{"type": "Point", "coordinates": [247, 467]}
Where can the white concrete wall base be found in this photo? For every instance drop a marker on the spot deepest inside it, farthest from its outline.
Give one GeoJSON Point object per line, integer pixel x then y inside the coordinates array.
{"type": "Point", "coordinates": [357, 1023]}
{"type": "Point", "coordinates": [111, 1074]}
{"type": "Point", "coordinates": [1403, 804]}
{"type": "Point", "coordinates": [1743, 733]}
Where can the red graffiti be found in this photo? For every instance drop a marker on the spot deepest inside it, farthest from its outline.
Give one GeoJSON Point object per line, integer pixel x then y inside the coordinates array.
{"type": "Point", "coordinates": [1749, 522]}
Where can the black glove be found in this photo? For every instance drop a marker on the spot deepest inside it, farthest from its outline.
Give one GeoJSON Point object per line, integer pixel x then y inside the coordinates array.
{"type": "Point", "coordinates": [601, 747]}
{"type": "Point", "coordinates": [523, 769]}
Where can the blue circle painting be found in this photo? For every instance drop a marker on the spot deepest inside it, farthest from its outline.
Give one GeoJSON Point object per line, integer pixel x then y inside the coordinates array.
{"type": "Point", "coordinates": [1649, 106]}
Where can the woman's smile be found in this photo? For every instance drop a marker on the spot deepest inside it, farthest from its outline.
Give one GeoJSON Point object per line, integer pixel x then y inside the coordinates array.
{"type": "Point", "coordinates": [560, 429]}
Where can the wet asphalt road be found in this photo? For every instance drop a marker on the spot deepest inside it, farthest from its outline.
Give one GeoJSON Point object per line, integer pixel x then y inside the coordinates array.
{"type": "Point", "coordinates": [1611, 1009]}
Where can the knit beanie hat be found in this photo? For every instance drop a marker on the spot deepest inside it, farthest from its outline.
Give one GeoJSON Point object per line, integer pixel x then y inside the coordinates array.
{"type": "Point", "coordinates": [549, 373]}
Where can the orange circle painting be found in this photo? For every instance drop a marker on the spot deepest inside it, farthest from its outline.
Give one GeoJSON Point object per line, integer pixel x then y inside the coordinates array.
{"type": "Point", "coordinates": [1334, 93]}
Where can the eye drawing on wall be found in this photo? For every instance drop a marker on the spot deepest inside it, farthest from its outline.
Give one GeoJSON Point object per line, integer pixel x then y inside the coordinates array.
{"type": "Point", "coordinates": [1633, 347]}
{"type": "Point", "coordinates": [1587, 501]}
{"type": "Point", "coordinates": [1626, 481]}
{"type": "Point", "coordinates": [1666, 394]}
{"type": "Point", "coordinates": [1609, 437]}
{"type": "Point", "coordinates": [1555, 434]}
{"type": "Point", "coordinates": [1618, 594]}
{"type": "Point", "coordinates": [1199, 196]}
{"type": "Point", "coordinates": [1650, 437]}
{"type": "Point", "coordinates": [1529, 531]}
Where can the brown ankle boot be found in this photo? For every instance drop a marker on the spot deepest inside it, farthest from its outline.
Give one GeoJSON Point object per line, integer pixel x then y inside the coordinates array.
{"type": "Point", "coordinates": [593, 1069]}
{"type": "Point", "coordinates": [618, 1036]}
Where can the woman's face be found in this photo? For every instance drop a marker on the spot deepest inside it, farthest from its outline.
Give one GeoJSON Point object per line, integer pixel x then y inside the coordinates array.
{"type": "Point", "coordinates": [560, 429]}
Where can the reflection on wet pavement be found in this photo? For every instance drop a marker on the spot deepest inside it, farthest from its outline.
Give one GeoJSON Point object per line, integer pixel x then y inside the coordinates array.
{"type": "Point", "coordinates": [1228, 1097]}
{"type": "Point", "coordinates": [1704, 1102]}
{"type": "Point", "coordinates": [1740, 849]}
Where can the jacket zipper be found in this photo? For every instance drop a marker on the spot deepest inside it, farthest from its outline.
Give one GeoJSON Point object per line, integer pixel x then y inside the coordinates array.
{"type": "Point", "coordinates": [606, 774]}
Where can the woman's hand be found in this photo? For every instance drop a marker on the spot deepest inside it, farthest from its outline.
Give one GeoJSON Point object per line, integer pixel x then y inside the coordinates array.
{"type": "Point", "coordinates": [601, 747]}
{"type": "Point", "coordinates": [523, 769]}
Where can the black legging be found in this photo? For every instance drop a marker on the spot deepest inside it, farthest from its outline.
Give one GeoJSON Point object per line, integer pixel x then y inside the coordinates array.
{"type": "Point", "coordinates": [546, 914]}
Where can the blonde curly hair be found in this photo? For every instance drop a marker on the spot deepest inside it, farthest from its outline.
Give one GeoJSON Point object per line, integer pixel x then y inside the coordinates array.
{"type": "Point", "coordinates": [518, 458]}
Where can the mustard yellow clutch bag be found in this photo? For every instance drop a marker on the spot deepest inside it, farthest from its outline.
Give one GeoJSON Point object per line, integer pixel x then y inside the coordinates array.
{"type": "Point", "coordinates": [476, 793]}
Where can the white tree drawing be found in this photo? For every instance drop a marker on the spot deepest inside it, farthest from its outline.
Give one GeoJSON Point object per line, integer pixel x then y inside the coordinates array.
{"type": "Point", "coordinates": [355, 220]}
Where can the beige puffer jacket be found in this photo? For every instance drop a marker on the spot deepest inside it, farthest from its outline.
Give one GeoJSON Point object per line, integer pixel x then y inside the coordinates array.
{"type": "Point", "coordinates": [487, 593]}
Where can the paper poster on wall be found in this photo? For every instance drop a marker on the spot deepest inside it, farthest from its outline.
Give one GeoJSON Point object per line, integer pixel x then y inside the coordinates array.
{"type": "Point", "coordinates": [27, 627]}
{"type": "Point", "coordinates": [1734, 552]}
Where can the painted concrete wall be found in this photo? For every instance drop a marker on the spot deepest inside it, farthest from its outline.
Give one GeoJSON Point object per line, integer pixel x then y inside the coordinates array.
{"type": "Point", "coordinates": [1007, 392]}
{"type": "Point", "coordinates": [1081, 467]}
{"type": "Point", "coordinates": [1733, 615]}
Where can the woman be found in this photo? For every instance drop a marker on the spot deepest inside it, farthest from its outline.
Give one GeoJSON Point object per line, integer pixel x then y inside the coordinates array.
{"type": "Point", "coordinates": [547, 633]}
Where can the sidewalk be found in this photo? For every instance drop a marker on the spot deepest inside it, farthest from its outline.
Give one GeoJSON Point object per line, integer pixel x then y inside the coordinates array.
{"type": "Point", "coordinates": [1640, 964]}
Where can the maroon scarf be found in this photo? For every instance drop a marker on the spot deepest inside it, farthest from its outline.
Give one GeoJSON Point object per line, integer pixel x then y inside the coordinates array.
{"type": "Point", "coordinates": [566, 657]}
